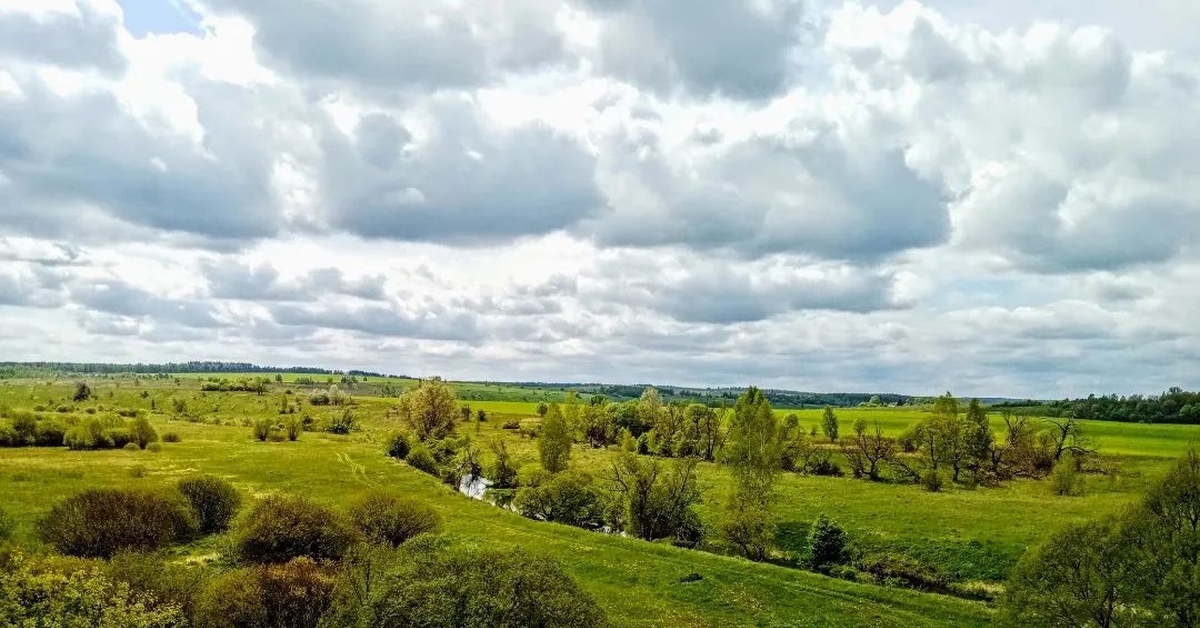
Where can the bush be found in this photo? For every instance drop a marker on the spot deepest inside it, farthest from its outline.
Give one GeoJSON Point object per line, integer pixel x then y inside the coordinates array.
{"type": "Point", "coordinates": [88, 436]}
{"type": "Point", "coordinates": [292, 595]}
{"type": "Point", "coordinates": [44, 594]}
{"type": "Point", "coordinates": [1064, 479]}
{"type": "Point", "coordinates": [131, 447]}
{"type": "Point", "coordinates": [137, 471]}
{"type": "Point", "coordinates": [388, 518]}
{"type": "Point", "coordinates": [9, 437]}
{"type": "Point", "coordinates": [214, 500]}
{"type": "Point", "coordinates": [277, 436]}
{"type": "Point", "coordinates": [420, 458]}
{"type": "Point", "coordinates": [398, 446]}
{"type": "Point", "coordinates": [119, 437]}
{"type": "Point", "coordinates": [435, 586]}
{"type": "Point", "coordinates": [293, 427]}
{"type": "Point", "coordinates": [169, 583]}
{"type": "Point", "coordinates": [279, 529]}
{"type": "Point", "coordinates": [142, 432]}
{"type": "Point", "coordinates": [344, 424]}
{"type": "Point", "coordinates": [100, 522]}
{"type": "Point", "coordinates": [902, 571]}
{"type": "Point", "coordinates": [570, 497]}
{"type": "Point", "coordinates": [49, 434]}
{"type": "Point", "coordinates": [6, 527]}
{"type": "Point", "coordinates": [511, 424]}
{"type": "Point", "coordinates": [932, 481]}
{"type": "Point", "coordinates": [154, 447]}
{"type": "Point", "coordinates": [82, 392]}
{"type": "Point", "coordinates": [827, 541]}
{"type": "Point", "coordinates": [262, 429]}
{"type": "Point", "coordinates": [171, 437]}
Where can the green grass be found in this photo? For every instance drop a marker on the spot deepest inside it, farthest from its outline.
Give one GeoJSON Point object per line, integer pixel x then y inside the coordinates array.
{"type": "Point", "coordinates": [967, 534]}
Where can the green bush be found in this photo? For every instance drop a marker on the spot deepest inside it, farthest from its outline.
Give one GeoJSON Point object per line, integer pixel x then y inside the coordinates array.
{"type": "Point", "coordinates": [131, 447]}
{"type": "Point", "coordinates": [388, 518]}
{"type": "Point", "coordinates": [569, 497]}
{"type": "Point", "coordinates": [214, 500]}
{"type": "Point", "coordinates": [168, 582]}
{"type": "Point", "coordinates": [100, 522]}
{"type": "Point", "coordinates": [279, 529]}
{"type": "Point", "coordinates": [119, 437]}
{"type": "Point", "coordinates": [398, 446]}
{"type": "Point", "coordinates": [49, 434]}
{"type": "Point", "coordinates": [296, 594]}
{"type": "Point", "coordinates": [37, 594]}
{"type": "Point", "coordinates": [262, 429]}
{"type": "Point", "coordinates": [154, 447]}
{"type": "Point", "coordinates": [1064, 479]}
{"type": "Point", "coordinates": [293, 427]}
{"type": "Point", "coordinates": [420, 458]}
{"type": "Point", "coordinates": [898, 570]}
{"type": "Point", "coordinates": [932, 481]}
{"type": "Point", "coordinates": [171, 437]}
{"type": "Point", "coordinates": [434, 586]}
{"type": "Point", "coordinates": [827, 541]}
{"type": "Point", "coordinates": [88, 435]}
{"type": "Point", "coordinates": [142, 432]}
{"type": "Point", "coordinates": [24, 424]}
{"type": "Point", "coordinates": [9, 436]}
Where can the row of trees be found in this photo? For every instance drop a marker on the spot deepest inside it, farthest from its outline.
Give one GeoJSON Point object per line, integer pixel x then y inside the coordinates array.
{"type": "Point", "coordinates": [1173, 406]}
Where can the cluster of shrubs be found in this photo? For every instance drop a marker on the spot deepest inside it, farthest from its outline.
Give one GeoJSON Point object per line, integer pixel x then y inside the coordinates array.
{"type": "Point", "coordinates": [298, 565]}
{"type": "Point", "coordinates": [31, 429]}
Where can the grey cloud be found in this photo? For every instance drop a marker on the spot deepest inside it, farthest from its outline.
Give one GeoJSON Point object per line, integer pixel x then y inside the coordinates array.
{"type": "Point", "coordinates": [122, 299]}
{"type": "Point", "coordinates": [21, 285]}
{"type": "Point", "coordinates": [735, 48]}
{"type": "Point", "coordinates": [85, 40]}
{"type": "Point", "coordinates": [431, 323]}
{"type": "Point", "coordinates": [229, 279]}
{"type": "Point", "coordinates": [467, 181]}
{"type": "Point", "coordinates": [77, 164]}
{"type": "Point", "coordinates": [406, 44]}
{"type": "Point", "coordinates": [819, 193]}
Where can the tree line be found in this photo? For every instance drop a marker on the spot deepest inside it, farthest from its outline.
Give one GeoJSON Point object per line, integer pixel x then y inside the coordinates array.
{"type": "Point", "coordinates": [1173, 406]}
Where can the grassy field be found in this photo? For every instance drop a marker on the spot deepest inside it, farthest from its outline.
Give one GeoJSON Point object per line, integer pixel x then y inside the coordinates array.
{"type": "Point", "coordinates": [971, 535]}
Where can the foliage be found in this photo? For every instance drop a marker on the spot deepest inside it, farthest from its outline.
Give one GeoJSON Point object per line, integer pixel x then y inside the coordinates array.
{"type": "Point", "coordinates": [214, 500]}
{"type": "Point", "coordinates": [827, 543]}
{"type": "Point", "coordinates": [36, 593]}
{"type": "Point", "coordinates": [398, 445]}
{"type": "Point", "coordinates": [1064, 480]}
{"type": "Point", "coordinates": [280, 528]}
{"type": "Point", "coordinates": [554, 444]}
{"type": "Point", "coordinates": [829, 424]}
{"type": "Point", "coordinates": [570, 497]}
{"type": "Point", "coordinates": [101, 522]}
{"type": "Point", "coordinates": [657, 500]}
{"type": "Point", "coordinates": [168, 582]}
{"type": "Point", "coordinates": [88, 435]}
{"type": "Point", "coordinates": [503, 471]}
{"type": "Point", "coordinates": [142, 433]}
{"type": "Point", "coordinates": [384, 517]}
{"type": "Point", "coordinates": [752, 452]}
{"type": "Point", "coordinates": [867, 451]}
{"type": "Point", "coordinates": [435, 586]}
{"type": "Point", "coordinates": [431, 410]}
{"type": "Point", "coordinates": [83, 392]}
{"type": "Point", "coordinates": [296, 594]}
{"type": "Point", "coordinates": [421, 459]}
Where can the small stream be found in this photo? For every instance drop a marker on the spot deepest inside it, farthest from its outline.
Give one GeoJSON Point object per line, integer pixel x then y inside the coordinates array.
{"type": "Point", "coordinates": [478, 487]}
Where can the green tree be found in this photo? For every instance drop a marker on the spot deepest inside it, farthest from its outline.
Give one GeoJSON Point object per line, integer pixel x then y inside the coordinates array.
{"type": "Point", "coordinates": [979, 440]}
{"type": "Point", "coordinates": [752, 452]}
{"type": "Point", "coordinates": [829, 424]}
{"type": "Point", "coordinates": [827, 542]}
{"type": "Point", "coordinates": [649, 409]}
{"type": "Point", "coordinates": [657, 500]}
{"type": "Point", "coordinates": [431, 410]}
{"type": "Point", "coordinates": [554, 444]}
{"type": "Point", "coordinates": [1169, 531]}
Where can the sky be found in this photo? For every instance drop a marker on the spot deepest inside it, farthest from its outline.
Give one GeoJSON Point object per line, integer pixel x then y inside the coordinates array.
{"type": "Point", "coordinates": [995, 199]}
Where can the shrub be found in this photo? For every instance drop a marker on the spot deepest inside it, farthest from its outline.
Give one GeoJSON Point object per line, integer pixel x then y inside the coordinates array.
{"type": "Point", "coordinates": [570, 497]}
{"type": "Point", "coordinates": [344, 424]}
{"type": "Point", "coordinates": [169, 583]}
{"type": "Point", "coordinates": [899, 570]}
{"type": "Point", "coordinates": [87, 436]}
{"type": "Point", "coordinates": [436, 586]}
{"type": "Point", "coordinates": [262, 429]}
{"type": "Point", "coordinates": [137, 471]}
{"type": "Point", "coordinates": [120, 437]}
{"type": "Point", "coordinates": [6, 527]}
{"type": "Point", "coordinates": [420, 458]}
{"type": "Point", "coordinates": [82, 392]}
{"type": "Point", "coordinates": [154, 447]}
{"type": "Point", "coordinates": [388, 518]}
{"type": "Point", "coordinates": [131, 447]}
{"type": "Point", "coordinates": [827, 541]}
{"type": "Point", "coordinates": [49, 434]}
{"type": "Point", "coordinates": [100, 522]}
{"type": "Point", "coordinates": [293, 595]}
{"type": "Point", "coordinates": [214, 500]}
{"type": "Point", "coordinates": [276, 436]}
{"type": "Point", "coordinates": [1064, 479]}
{"type": "Point", "coordinates": [511, 424]}
{"type": "Point", "coordinates": [398, 446]}
{"type": "Point", "coordinates": [25, 424]}
{"type": "Point", "coordinates": [44, 594]}
{"type": "Point", "coordinates": [932, 481]}
{"type": "Point", "coordinates": [9, 437]}
{"type": "Point", "coordinates": [279, 529]}
{"type": "Point", "coordinates": [293, 427]}
{"type": "Point", "coordinates": [171, 437]}
{"type": "Point", "coordinates": [142, 432]}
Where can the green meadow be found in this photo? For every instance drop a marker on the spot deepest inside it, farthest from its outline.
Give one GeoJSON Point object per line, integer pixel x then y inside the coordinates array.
{"type": "Point", "coordinates": [972, 536]}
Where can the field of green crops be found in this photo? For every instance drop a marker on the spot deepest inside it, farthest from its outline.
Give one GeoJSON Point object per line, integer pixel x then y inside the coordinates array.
{"type": "Point", "coordinates": [971, 535]}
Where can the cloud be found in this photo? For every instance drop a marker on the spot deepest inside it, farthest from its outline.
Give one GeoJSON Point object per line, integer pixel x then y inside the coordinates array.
{"type": "Point", "coordinates": [738, 48]}
{"type": "Point", "coordinates": [121, 299]}
{"type": "Point", "coordinates": [83, 38]}
{"type": "Point", "coordinates": [382, 320]}
{"type": "Point", "coordinates": [229, 279]}
{"type": "Point", "coordinates": [464, 180]}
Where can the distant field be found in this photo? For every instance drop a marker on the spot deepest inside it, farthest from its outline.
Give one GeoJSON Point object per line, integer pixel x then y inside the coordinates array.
{"type": "Point", "coordinates": [970, 535]}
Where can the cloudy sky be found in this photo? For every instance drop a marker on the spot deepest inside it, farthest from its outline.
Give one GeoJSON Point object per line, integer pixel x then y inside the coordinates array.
{"type": "Point", "coordinates": [990, 198]}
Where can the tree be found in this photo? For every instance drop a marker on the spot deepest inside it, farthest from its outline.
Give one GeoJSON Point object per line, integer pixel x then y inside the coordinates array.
{"type": "Point", "coordinates": [571, 497]}
{"type": "Point", "coordinates": [649, 409]}
{"type": "Point", "coordinates": [1169, 531]}
{"type": "Point", "coordinates": [827, 541]}
{"type": "Point", "coordinates": [431, 410]}
{"type": "Point", "coordinates": [866, 451]}
{"type": "Point", "coordinates": [554, 444]}
{"type": "Point", "coordinates": [978, 440]}
{"type": "Point", "coordinates": [711, 436]}
{"type": "Point", "coordinates": [829, 424]}
{"type": "Point", "coordinates": [1083, 575]}
{"type": "Point", "coordinates": [752, 452]}
{"type": "Point", "coordinates": [1068, 436]}
{"type": "Point", "coordinates": [657, 499]}
{"type": "Point", "coordinates": [597, 423]}
{"type": "Point", "coordinates": [82, 392]}
{"type": "Point", "coordinates": [392, 519]}
{"type": "Point", "coordinates": [542, 408]}
{"type": "Point", "coordinates": [503, 471]}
